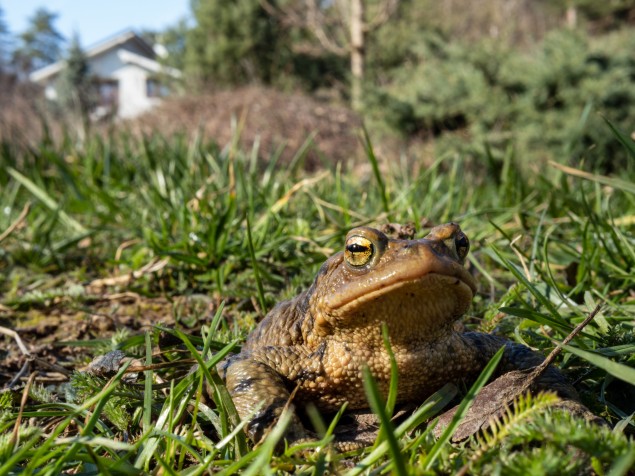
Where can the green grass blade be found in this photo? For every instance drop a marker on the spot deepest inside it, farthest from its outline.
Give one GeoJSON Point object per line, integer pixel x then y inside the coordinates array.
{"type": "Point", "coordinates": [254, 265]}
{"type": "Point", "coordinates": [98, 441]}
{"type": "Point", "coordinates": [463, 408]}
{"type": "Point", "coordinates": [394, 373]}
{"type": "Point", "coordinates": [147, 394]}
{"type": "Point", "coordinates": [376, 404]}
{"type": "Point", "coordinates": [617, 183]}
{"type": "Point", "coordinates": [544, 319]}
{"type": "Point", "coordinates": [46, 200]}
{"type": "Point", "coordinates": [165, 466]}
{"type": "Point", "coordinates": [372, 158]}
{"type": "Point", "coordinates": [213, 328]}
{"type": "Point", "coordinates": [8, 465]}
{"type": "Point", "coordinates": [620, 371]}
{"type": "Point", "coordinates": [623, 465]}
{"type": "Point", "coordinates": [530, 287]}
{"type": "Point", "coordinates": [626, 141]}
{"type": "Point", "coordinates": [302, 152]}
{"type": "Point", "coordinates": [433, 404]}
{"type": "Point", "coordinates": [267, 448]}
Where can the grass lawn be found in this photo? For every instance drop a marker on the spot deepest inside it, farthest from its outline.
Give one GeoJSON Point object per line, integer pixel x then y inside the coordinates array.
{"type": "Point", "coordinates": [171, 249]}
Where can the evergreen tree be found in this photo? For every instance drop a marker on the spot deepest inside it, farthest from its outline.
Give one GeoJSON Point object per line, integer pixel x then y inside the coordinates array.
{"type": "Point", "coordinates": [5, 42]}
{"type": "Point", "coordinates": [171, 41]}
{"type": "Point", "coordinates": [232, 42]}
{"type": "Point", "coordinates": [75, 89]}
{"type": "Point", "coordinates": [40, 44]}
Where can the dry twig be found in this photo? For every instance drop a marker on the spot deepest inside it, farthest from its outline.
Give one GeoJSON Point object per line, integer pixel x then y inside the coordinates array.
{"type": "Point", "coordinates": [25, 395]}
{"type": "Point", "coordinates": [152, 267]}
{"type": "Point", "coordinates": [16, 223]}
{"type": "Point", "coordinates": [555, 352]}
{"type": "Point", "coordinates": [13, 334]}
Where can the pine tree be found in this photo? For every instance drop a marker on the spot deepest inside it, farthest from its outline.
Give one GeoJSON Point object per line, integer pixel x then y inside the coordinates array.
{"type": "Point", "coordinates": [75, 89]}
{"type": "Point", "coordinates": [5, 43]}
{"type": "Point", "coordinates": [232, 42]}
{"type": "Point", "coordinates": [40, 44]}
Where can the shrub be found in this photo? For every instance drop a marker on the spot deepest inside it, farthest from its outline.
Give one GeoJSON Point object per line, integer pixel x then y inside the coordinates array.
{"type": "Point", "coordinates": [550, 102]}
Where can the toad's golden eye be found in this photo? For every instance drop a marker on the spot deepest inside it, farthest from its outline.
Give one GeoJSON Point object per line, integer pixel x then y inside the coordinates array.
{"type": "Point", "coordinates": [462, 245]}
{"type": "Point", "coordinates": [358, 251]}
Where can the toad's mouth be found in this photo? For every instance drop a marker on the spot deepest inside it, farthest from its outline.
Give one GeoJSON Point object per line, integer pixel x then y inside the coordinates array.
{"type": "Point", "coordinates": [427, 300]}
{"type": "Point", "coordinates": [429, 280]}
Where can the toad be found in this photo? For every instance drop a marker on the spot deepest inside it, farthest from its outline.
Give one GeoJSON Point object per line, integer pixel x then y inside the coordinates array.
{"type": "Point", "coordinates": [313, 348]}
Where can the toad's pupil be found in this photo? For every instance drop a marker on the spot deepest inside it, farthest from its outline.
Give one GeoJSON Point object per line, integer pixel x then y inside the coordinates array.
{"type": "Point", "coordinates": [357, 248]}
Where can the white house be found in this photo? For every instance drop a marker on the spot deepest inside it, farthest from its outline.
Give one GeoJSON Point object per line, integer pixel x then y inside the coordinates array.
{"type": "Point", "coordinates": [125, 73]}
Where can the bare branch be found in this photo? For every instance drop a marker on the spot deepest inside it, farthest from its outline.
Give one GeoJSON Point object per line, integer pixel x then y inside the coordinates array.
{"type": "Point", "coordinates": [554, 353]}
{"type": "Point", "coordinates": [386, 10]}
{"type": "Point", "coordinates": [309, 14]}
{"type": "Point", "coordinates": [269, 8]}
{"type": "Point", "coordinates": [316, 23]}
{"type": "Point", "coordinates": [288, 15]}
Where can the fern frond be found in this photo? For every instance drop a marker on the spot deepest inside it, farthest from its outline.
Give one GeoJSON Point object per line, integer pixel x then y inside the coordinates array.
{"type": "Point", "coordinates": [6, 401]}
{"type": "Point", "coordinates": [555, 443]}
{"type": "Point", "coordinates": [41, 394]}
{"type": "Point", "coordinates": [522, 409]}
{"type": "Point", "coordinates": [120, 405]}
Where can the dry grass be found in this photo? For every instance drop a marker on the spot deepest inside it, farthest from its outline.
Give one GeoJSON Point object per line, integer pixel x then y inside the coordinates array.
{"type": "Point", "coordinates": [267, 116]}
{"type": "Point", "coordinates": [269, 120]}
{"type": "Point", "coordinates": [20, 113]}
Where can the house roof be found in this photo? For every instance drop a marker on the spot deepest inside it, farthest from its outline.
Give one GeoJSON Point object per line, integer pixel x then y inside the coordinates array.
{"type": "Point", "coordinates": [96, 50]}
{"type": "Point", "coordinates": [151, 65]}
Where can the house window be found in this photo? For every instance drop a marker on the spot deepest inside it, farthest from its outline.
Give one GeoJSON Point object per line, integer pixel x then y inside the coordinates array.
{"type": "Point", "coordinates": [156, 89]}
{"type": "Point", "coordinates": [108, 92]}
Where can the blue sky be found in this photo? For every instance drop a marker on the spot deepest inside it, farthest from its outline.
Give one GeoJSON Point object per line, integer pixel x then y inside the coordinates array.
{"type": "Point", "coordinates": [96, 20]}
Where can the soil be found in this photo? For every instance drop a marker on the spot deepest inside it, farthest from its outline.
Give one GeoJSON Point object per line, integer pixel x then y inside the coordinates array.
{"type": "Point", "coordinates": [61, 336]}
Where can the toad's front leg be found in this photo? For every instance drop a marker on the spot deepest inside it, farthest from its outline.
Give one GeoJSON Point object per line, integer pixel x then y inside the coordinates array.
{"type": "Point", "coordinates": [261, 393]}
